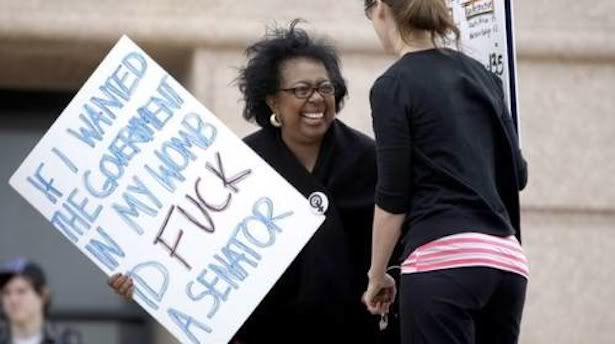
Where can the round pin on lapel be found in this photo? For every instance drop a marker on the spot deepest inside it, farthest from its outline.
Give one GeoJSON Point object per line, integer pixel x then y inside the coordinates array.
{"type": "Point", "coordinates": [319, 202]}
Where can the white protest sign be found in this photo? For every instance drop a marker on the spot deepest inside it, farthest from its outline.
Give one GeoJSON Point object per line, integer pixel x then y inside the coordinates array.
{"type": "Point", "coordinates": [145, 180]}
{"type": "Point", "coordinates": [487, 35]}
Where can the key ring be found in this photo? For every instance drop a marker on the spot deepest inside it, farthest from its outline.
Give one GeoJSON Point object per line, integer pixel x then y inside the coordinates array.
{"type": "Point", "coordinates": [384, 321]}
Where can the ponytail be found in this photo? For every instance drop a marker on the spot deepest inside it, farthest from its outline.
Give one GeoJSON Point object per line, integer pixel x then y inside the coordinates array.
{"type": "Point", "coordinates": [432, 16]}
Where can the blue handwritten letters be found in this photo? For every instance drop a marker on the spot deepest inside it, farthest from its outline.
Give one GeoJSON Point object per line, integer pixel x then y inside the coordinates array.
{"type": "Point", "coordinates": [118, 88]}
{"type": "Point", "coordinates": [231, 265]}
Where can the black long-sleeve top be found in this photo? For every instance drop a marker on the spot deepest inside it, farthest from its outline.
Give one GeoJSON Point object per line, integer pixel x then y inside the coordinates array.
{"type": "Point", "coordinates": [447, 150]}
{"type": "Point", "coordinates": [318, 298]}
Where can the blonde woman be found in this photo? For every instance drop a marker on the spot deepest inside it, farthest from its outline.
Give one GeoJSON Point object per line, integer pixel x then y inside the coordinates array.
{"type": "Point", "coordinates": [449, 175]}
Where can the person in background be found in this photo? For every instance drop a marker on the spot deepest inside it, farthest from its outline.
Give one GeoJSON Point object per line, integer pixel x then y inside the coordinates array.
{"type": "Point", "coordinates": [25, 300]}
{"type": "Point", "coordinates": [449, 174]}
{"type": "Point", "coordinates": [293, 89]}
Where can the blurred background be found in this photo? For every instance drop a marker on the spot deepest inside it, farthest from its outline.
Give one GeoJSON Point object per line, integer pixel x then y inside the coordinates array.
{"type": "Point", "coordinates": [566, 65]}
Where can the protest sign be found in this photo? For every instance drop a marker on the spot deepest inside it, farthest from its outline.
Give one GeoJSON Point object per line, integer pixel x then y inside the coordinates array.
{"type": "Point", "coordinates": [487, 34]}
{"type": "Point", "coordinates": [144, 180]}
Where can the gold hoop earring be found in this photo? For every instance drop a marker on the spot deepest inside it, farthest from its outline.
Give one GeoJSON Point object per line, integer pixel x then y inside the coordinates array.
{"type": "Point", "coordinates": [275, 121]}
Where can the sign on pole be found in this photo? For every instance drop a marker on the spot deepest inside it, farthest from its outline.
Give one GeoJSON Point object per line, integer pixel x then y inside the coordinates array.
{"type": "Point", "coordinates": [487, 34]}
{"type": "Point", "coordinates": [144, 180]}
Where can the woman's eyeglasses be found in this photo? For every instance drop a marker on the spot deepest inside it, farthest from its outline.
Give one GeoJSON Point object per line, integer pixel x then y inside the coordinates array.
{"type": "Point", "coordinates": [306, 91]}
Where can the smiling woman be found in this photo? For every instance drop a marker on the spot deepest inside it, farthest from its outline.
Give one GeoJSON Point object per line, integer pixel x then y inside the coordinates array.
{"type": "Point", "coordinates": [293, 88]}
{"type": "Point", "coordinates": [293, 84]}
{"type": "Point", "coordinates": [304, 107]}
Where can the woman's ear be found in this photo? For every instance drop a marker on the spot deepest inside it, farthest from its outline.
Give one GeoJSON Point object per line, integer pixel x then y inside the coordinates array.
{"type": "Point", "coordinates": [45, 294]}
{"type": "Point", "coordinates": [46, 297]}
{"type": "Point", "coordinates": [272, 102]}
{"type": "Point", "coordinates": [379, 9]}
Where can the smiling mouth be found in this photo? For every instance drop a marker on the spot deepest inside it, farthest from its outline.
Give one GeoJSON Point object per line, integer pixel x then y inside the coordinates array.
{"type": "Point", "coordinates": [314, 115]}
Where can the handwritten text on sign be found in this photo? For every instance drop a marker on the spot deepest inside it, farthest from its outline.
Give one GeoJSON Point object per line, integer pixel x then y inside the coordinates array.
{"type": "Point", "coordinates": [484, 36]}
{"type": "Point", "coordinates": [143, 179]}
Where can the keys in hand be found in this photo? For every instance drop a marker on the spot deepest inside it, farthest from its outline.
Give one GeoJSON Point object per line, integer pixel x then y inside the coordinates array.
{"type": "Point", "coordinates": [384, 321]}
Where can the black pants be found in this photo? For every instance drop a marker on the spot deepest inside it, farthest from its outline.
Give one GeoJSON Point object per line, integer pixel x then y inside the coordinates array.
{"type": "Point", "coordinates": [461, 306]}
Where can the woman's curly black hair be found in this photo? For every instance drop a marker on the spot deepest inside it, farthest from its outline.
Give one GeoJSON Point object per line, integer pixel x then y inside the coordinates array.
{"type": "Point", "coordinates": [261, 75]}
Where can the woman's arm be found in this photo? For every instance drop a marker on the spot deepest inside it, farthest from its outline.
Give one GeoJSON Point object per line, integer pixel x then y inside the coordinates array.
{"type": "Point", "coordinates": [385, 234]}
{"type": "Point", "coordinates": [390, 103]}
{"type": "Point", "coordinates": [381, 289]}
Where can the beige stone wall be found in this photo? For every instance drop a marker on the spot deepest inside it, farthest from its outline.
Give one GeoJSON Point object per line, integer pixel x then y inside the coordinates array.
{"type": "Point", "coordinates": [567, 79]}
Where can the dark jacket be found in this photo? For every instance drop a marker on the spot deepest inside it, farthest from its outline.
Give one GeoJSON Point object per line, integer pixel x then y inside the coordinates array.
{"type": "Point", "coordinates": [53, 334]}
{"type": "Point", "coordinates": [448, 154]}
{"type": "Point", "coordinates": [317, 299]}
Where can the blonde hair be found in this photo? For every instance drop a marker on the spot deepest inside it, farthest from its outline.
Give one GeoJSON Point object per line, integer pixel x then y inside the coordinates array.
{"type": "Point", "coordinates": [432, 16]}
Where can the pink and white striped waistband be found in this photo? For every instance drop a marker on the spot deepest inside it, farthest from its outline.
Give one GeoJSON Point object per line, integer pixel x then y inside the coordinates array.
{"type": "Point", "coordinates": [468, 250]}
